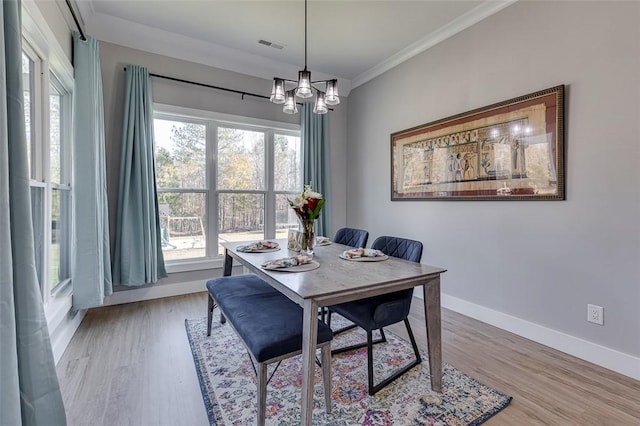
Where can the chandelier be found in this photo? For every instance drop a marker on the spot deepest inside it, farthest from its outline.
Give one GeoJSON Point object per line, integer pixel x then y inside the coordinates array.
{"type": "Point", "coordinates": [304, 87]}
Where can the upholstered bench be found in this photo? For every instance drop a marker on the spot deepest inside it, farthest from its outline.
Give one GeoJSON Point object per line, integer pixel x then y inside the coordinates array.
{"type": "Point", "coordinates": [270, 326]}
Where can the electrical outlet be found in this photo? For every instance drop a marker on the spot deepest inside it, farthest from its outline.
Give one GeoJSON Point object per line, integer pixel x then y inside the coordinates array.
{"type": "Point", "coordinates": [595, 314]}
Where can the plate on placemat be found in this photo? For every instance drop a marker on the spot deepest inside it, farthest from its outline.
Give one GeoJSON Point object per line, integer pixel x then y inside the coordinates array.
{"type": "Point", "coordinates": [298, 268]}
{"type": "Point", "coordinates": [364, 258]}
{"type": "Point", "coordinates": [265, 250]}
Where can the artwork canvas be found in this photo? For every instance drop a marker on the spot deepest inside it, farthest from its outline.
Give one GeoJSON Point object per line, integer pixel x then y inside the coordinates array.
{"type": "Point", "coordinates": [512, 150]}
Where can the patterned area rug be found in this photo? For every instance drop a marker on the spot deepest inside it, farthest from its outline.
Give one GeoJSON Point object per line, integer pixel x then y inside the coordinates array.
{"type": "Point", "coordinates": [227, 381]}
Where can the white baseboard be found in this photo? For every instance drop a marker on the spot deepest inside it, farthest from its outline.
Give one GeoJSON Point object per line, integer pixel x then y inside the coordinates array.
{"type": "Point", "coordinates": [62, 334]}
{"type": "Point", "coordinates": [154, 292]}
{"type": "Point", "coordinates": [600, 355]}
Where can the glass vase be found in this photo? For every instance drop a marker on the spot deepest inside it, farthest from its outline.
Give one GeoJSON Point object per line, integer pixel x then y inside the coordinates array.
{"type": "Point", "coordinates": [309, 237]}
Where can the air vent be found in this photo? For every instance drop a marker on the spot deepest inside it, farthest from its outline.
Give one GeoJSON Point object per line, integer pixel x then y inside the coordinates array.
{"type": "Point", "coordinates": [270, 44]}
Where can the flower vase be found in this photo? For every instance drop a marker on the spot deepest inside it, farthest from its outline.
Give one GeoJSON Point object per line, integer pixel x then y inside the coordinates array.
{"type": "Point", "coordinates": [309, 237]}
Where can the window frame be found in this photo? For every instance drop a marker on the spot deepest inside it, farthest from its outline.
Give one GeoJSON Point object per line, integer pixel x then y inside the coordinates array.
{"type": "Point", "coordinates": [50, 66]}
{"type": "Point", "coordinates": [214, 120]}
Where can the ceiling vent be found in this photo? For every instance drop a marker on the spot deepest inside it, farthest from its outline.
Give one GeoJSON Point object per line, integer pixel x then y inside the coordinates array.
{"type": "Point", "coordinates": [270, 44]}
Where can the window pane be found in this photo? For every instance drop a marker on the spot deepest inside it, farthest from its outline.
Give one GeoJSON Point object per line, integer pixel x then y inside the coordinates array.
{"type": "Point", "coordinates": [27, 85]}
{"type": "Point", "coordinates": [54, 134]}
{"type": "Point", "coordinates": [287, 173]}
{"type": "Point", "coordinates": [37, 219]}
{"type": "Point", "coordinates": [240, 217]}
{"type": "Point", "coordinates": [60, 236]}
{"type": "Point", "coordinates": [180, 150]}
{"type": "Point", "coordinates": [240, 159]}
{"type": "Point", "coordinates": [183, 225]}
{"type": "Point", "coordinates": [285, 217]}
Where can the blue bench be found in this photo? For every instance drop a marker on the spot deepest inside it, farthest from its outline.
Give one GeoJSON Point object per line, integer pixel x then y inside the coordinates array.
{"type": "Point", "coordinates": [270, 326]}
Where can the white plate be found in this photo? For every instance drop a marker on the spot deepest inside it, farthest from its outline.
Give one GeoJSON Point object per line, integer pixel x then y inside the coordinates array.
{"type": "Point", "coordinates": [364, 259]}
{"type": "Point", "coordinates": [258, 251]}
{"type": "Point", "coordinates": [298, 268]}
{"type": "Point", "coordinates": [326, 243]}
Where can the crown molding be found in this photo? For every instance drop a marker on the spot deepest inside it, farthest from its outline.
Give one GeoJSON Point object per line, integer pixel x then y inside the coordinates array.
{"type": "Point", "coordinates": [149, 39]}
{"type": "Point", "coordinates": [475, 15]}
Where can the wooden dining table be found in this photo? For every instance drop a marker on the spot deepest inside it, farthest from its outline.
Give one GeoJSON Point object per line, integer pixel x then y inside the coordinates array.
{"type": "Point", "coordinates": [337, 280]}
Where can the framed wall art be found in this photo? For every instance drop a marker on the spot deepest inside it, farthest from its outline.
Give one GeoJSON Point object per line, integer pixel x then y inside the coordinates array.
{"type": "Point", "coordinates": [512, 150]}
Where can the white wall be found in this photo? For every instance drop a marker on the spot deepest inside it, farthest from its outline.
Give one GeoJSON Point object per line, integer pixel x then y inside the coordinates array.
{"type": "Point", "coordinates": [536, 264]}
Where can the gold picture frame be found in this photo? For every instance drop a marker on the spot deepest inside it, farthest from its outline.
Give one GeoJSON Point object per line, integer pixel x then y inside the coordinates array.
{"type": "Point", "coordinates": [512, 150]}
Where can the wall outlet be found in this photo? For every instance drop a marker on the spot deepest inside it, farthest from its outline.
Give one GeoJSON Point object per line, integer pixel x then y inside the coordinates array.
{"type": "Point", "coordinates": [595, 314]}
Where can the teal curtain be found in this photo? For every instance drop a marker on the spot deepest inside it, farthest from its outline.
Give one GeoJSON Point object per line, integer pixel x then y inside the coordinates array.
{"type": "Point", "coordinates": [138, 253]}
{"type": "Point", "coordinates": [314, 129]}
{"type": "Point", "coordinates": [91, 251]}
{"type": "Point", "coordinates": [29, 389]}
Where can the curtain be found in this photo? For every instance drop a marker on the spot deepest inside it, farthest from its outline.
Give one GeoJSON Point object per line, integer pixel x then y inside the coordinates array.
{"type": "Point", "coordinates": [29, 389]}
{"type": "Point", "coordinates": [314, 129]}
{"type": "Point", "coordinates": [138, 253]}
{"type": "Point", "coordinates": [91, 251]}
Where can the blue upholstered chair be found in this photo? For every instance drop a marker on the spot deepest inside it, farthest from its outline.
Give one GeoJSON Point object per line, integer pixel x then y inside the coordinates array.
{"type": "Point", "coordinates": [351, 237]}
{"type": "Point", "coordinates": [377, 312]}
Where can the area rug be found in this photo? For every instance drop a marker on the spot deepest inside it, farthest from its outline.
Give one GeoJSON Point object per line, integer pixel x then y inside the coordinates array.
{"type": "Point", "coordinates": [228, 385]}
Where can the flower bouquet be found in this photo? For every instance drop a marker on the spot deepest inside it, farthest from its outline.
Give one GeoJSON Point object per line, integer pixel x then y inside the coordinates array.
{"type": "Point", "coordinates": [307, 207]}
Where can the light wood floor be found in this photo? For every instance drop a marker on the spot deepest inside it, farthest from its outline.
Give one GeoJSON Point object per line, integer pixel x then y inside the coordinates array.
{"type": "Point", "coordinates": [131, 365]}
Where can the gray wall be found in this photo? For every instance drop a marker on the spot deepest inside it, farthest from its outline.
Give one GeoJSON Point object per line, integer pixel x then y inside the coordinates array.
{"type": "Point", "coordinates": [538, 261]}
{"type": "Point", "coordinates": [113, 60]}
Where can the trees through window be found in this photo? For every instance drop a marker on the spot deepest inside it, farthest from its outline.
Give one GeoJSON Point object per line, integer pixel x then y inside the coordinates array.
{"type": "Point", "coordinates": [220, 180]}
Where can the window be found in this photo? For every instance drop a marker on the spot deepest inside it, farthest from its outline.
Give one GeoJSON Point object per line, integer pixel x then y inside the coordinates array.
{"type": "Point", "coordinates": [47, 111]}
{"type": "Point", "coordinates": [222, 178]}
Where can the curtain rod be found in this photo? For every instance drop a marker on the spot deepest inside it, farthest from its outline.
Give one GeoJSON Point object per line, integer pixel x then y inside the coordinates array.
{"type": "Point", "coordinates": [240, 92]}
{"type": "Point", "coordinates": [75, 18]}
{"type": "Point", "coordinates": [208, 85]}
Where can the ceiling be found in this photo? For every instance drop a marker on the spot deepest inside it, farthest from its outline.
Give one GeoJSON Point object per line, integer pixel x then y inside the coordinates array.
{"type": "Point", "coordinates": [352, 40]}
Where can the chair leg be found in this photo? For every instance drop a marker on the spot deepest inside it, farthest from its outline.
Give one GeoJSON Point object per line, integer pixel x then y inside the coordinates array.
{"type": "Point", "coordinates": [370, 361]}
{"type": "Point", "coordinates": [262, 392]}
{"type": "Point", "coordinates": [326, 376]}
{"type": "Point", "coordinates": [413, 341]}
{"type": "Point", "coordinates": [212, 305]}
{"type": "Point", "coordinates": [373, 389]}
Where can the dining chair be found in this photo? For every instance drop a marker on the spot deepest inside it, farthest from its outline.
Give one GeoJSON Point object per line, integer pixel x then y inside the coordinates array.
{"type": "Point", "coordinates": [376, 312]}
{"type": "Point", "coordinates": [351, 237]}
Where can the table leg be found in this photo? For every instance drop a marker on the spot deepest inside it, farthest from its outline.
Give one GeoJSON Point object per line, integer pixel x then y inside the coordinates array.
{"type": "Point", "coordinates": [309, 341]}
{"type": "Point", "coordinates": [226, 272]}
{"type": "Point", "coordinates": [432, 316]}
{"type": "Point", "coordinates": [228, 263]}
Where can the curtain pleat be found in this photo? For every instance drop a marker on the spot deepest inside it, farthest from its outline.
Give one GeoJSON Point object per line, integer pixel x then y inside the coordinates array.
{"type": "Point", "coordinates": [138, 253]}
{"type": "Point", "coordinates": [29, 389]}
{"type": "Point", "coordinates": [314, 129]}
{"type": "Point", "coordinates": [91, 250]}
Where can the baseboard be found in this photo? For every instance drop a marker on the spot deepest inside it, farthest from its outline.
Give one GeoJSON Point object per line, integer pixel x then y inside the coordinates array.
{"type": "Point", "coordinates": [154, 292]}
{"type": "Point", "coordinates": [62, 334]}
{"type": "Point", "coordinates": [600, 355]}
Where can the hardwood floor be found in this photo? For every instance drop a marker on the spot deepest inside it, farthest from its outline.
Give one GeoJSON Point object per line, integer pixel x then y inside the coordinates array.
{"type": "Point", "coordinates": [131, 365]}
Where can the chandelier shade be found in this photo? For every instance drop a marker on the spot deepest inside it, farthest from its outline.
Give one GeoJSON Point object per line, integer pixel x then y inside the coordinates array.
{"type": "Point", "coordinates": [304, 87]}
{"type": "Point", "coordinates": [277, 93]}
{"type": "Point", "coordinates": [320, 106]}
{"type": "Point", "coordinates": [331, 97]}
{"type": "Point", "coordinates": [290, 105]}
{"type": "Point", "coordinates": [304, 84]}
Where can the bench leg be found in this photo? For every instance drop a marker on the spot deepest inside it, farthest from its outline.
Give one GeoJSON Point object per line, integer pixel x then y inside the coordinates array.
{"type": "Point", "coordinates": [326, 376]}
{"type": "Point", "coordinates": [210, 314]}
{"type": "Point", "coordinates": [262, 392]}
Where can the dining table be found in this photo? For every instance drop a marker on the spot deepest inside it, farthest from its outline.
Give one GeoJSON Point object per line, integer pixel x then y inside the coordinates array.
{"type": "Point", "coordinates": [338, 280]}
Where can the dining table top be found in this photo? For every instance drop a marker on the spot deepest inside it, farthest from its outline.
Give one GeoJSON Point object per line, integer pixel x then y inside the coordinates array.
{"type": "Point", "coordinates": [336, 280]}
